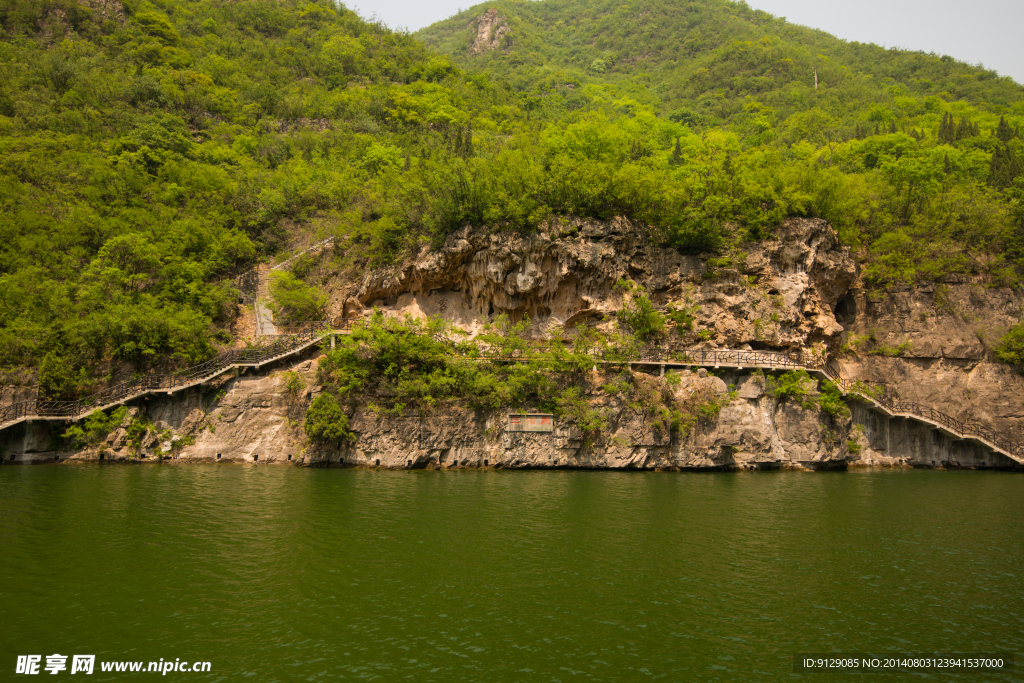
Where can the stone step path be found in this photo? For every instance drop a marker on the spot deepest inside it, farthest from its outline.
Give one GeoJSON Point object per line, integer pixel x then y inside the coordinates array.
{"type": "Point", "coordinates": [315, 248]}
{"type": "Point", "coordinates": [264, 316]}
{"type": "Point", "coordinates": [965, 430]}
{"type": "Point", "coordinates": [254, 287]}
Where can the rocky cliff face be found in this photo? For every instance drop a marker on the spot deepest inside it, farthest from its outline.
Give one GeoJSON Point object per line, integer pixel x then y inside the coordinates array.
{"type": "Point", "coordinates": [943, 335]}
{"type": "Point", "coordinates": [798, 292]}
{"type": "Point", "coordinates": [779, 294]}
{"type": "Point", "coordinates": [256, 420]}
{"type": "Point", "coordinates": [491, 31]}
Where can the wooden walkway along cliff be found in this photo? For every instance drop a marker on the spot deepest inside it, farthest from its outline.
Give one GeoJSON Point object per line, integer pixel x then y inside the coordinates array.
{"type": "Point", "coordinates": [313, 333]}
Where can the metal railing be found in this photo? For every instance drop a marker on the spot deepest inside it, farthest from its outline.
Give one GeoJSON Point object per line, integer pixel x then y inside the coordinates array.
{"type": "Point", "coordinates": [964, 428]}
{"type": "Point", "coordinates": [119, 393]}
{"type": "Point", "coordinates": [798, 361]}
{"type": "Point", "coordinates": [301, 335]}
{"type": "Point", "coordinates": [314, 247]}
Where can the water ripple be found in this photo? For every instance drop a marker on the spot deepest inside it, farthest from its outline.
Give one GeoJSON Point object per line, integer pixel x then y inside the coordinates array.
{"type": "Point", "coordinates": [280, 574]}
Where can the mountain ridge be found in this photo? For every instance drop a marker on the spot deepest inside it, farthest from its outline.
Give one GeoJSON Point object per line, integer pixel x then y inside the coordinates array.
{"type": "Point", "coordinates": [669, 53]}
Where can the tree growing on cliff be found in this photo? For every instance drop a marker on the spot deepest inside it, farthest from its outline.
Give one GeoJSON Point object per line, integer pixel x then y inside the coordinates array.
{"type": "Point", "coordinates": [57, 379]}
{"type": "Point", "coordinates": [96, 427]}
{"type": "Point", "coordinates": [638, 313]}
{"type": "Point", "coordinates": [1010, 348]}
{"type": "Point", "coordinates": [795, 385]}
{"type": "Point", "coordinates": [326, 423]}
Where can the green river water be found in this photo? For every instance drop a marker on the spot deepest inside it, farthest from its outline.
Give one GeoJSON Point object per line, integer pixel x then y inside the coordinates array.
{"type": "Point", "coordinates": [287, 574]}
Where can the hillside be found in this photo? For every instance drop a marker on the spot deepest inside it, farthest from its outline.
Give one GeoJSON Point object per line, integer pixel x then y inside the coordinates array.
{"type": "Point", "coordinates": [916, 159]}
{"type": "Point", "coordinates": [709, 62]}
{"type": "Point", "coordinates": [151, 151]}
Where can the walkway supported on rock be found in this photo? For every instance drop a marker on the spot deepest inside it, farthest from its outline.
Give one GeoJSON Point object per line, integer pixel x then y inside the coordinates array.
{"type": "Point", "coordinates": [966, 430]}
{"type": "Point", "coordinates": [120, 394]}
{"type": "Point", "coordinates": [664, 358]}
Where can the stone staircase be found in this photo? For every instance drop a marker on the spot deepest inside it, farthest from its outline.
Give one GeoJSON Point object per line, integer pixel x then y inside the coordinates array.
{"type": "Point", "coordinates": [264, 316]}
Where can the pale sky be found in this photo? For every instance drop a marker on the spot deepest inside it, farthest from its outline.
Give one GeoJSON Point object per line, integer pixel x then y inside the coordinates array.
{"type": "Point", "coordinates": [974, 31]}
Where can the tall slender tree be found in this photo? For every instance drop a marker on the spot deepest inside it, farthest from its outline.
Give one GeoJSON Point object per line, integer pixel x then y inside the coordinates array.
{"type": "Point", "coordinates": [1004, 132]}
{"type": "Point", "coordinates": [677, 155]}
{"type": "Point", "coordinates": [1004, 167]}
{"type": "Point", "coordinates": [947, 130]}
{"type": "Point", "coordinates": [964, 130]}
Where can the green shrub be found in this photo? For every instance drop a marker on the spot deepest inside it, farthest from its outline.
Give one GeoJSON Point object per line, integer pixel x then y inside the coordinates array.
{"type": "Point", "coordinates": [326, 422]}
{"type": "Point", "coordinates": [57, 379]}
{"type": "Point", "coordinates": [294, 300]}
{"type": "Point", "coordinates": [1010, 348]}
{"type": "Point", "coordinates": [95, 427]}
{"type": "Point", "coordinates": [570, 403]}
{"type": "Point", "coordinates": [795, 385]}
{"type": "Point", "coordinates": [136, 432]}
{"type": "Point", "coordinates": [891, 351]}
{"type": "Point", "coordinates": [683, 315]}
{"type": "Point", "coordinates": [638, 313]}
{"type": "Point", "coordinates": [831, 400]}
{"type": "Point", "coordinates": [294, 383]}
{"type": "Point", "coordinates": [709, 410]}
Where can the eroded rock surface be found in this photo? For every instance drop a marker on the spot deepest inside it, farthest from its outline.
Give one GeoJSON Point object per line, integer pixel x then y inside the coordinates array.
{"type": "Point", "coordinates": [798, 292]}
{"type": "Point", "coordinates": [491, 30]}
{"type": "Point", "coordinates": [943, 335]}
{"type": "Point", "coordinates": [782, 295]}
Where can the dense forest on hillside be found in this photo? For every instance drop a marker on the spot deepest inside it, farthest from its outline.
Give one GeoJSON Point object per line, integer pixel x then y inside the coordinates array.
{"type": "Point", "coordinates": [151, 150]}
{"type": "Point", "coordinates": [706, 62]}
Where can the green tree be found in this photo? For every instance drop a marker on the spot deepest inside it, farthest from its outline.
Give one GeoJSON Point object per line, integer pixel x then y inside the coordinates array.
{"type": "Point", "coordinates": [1003, 131]}
{"type": "Point", "coordinates": [638, 312]}
{"type": "Point", "coordinates": [57, 379]}
{"type": "Point", "coordinates": [965, 129]}
{"type": "Point", "coordinates": [947, 130]}
{"type": "Point", "coordinates": [795, 385]}
{"type": "Point", "coordinates": [292, 300]}
{"type": "Point", "coordinates": [1004, 167]}
{"type": "Point", "coordinates": [95, 427]}
{"type": "Point", "coordinates": [326, 423]}
{"type": "Point", "coordinates": [677, 155]}
{"type": "Point", "coordinates": [1010, 348]}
